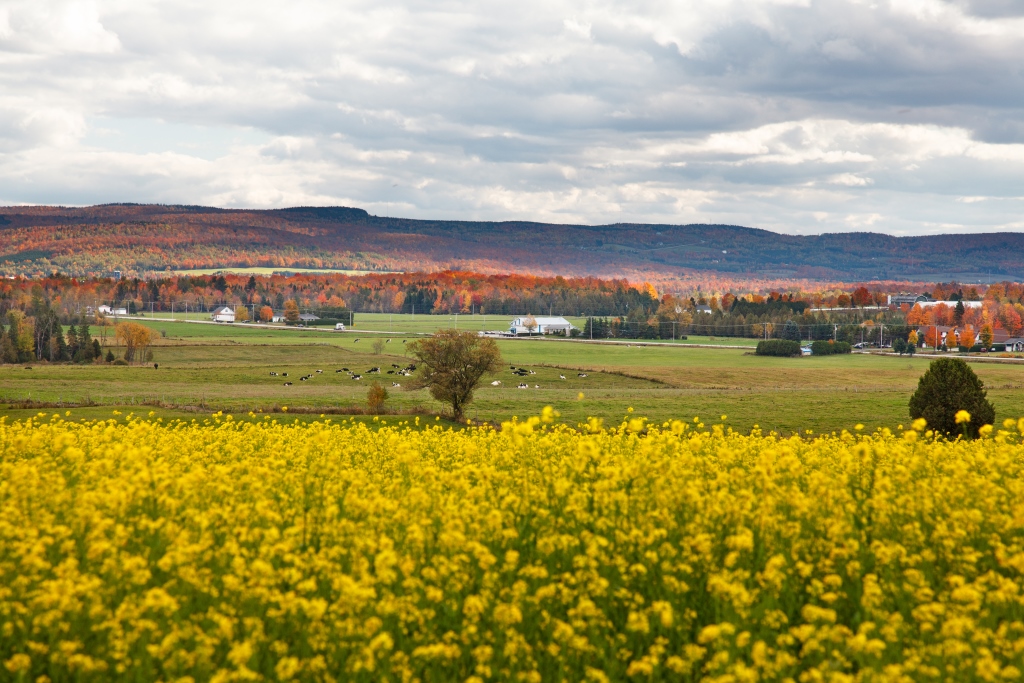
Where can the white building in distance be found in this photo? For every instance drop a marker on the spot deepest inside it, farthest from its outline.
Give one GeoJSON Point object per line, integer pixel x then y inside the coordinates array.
{"type": "Point", "coordinates": [223, 314]}
{"type": "Point", "coordinates": [951, 304]}
{"type": "Point", "coordinates": [543, 325]}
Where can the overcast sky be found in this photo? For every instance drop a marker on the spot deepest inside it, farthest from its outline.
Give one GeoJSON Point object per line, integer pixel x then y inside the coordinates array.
{"type": "Point", "coordinates": [898, 116]}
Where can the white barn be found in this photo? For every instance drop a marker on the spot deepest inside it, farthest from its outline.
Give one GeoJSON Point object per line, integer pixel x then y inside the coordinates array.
{"type": "Point", "coordinates": [544, 325]}
{"type": "Point", "coordinates": [223, 314]}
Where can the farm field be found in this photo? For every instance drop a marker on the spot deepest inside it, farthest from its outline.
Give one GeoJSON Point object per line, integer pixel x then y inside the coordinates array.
{"type": "Point", "coordinates": [205, 368]}
{"type": "Point", "coordinates": [256, 550]}
{"type": "Point", "coordinates": [407, 324]}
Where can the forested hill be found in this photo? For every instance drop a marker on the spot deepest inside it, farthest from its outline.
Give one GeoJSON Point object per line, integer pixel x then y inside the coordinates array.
{"type": "Point", "coordinates": [141, 238]}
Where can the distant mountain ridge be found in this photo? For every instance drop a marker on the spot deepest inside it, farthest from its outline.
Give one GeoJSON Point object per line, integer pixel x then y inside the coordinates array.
{"type": "Point", "coordinates": [142, 238]}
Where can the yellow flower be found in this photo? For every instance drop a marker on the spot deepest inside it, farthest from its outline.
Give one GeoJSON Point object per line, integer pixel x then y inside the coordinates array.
{"type": "Point", "coordinates": [962, 416]}
{"type": "Point", "coordinates": [256, 550]}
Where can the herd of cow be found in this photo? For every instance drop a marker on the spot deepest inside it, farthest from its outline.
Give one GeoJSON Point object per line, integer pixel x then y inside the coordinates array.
{"type": "Point", "coordinates": [396, 370]}
{"type": "Point", "coordinates": [523, 372]}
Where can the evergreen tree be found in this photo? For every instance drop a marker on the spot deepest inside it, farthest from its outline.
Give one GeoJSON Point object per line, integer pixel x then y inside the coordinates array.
{"type": "Point", "coordinates": [97, 351]}
{"type": "Point", "coordinates": [72, 344]}
{"type": "Point", "coordinates": [948, 387]}
{"type": "Point", "coordinates": [110, 356]}
{"type": "Point", "coordinates": [85, 340]}
{"type": "Point", "coordinates": [791, 331]}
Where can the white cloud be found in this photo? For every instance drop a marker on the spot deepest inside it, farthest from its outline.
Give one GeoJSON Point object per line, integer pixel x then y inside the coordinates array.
{"type": "Point", "coordinates": [892, 115]}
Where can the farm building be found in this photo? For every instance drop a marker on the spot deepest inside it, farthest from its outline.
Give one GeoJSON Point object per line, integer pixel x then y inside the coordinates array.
{"type": "Point", "coordinates": [905, 298]}
{"type": "Point", "coordinates": [540, 325]}
{"type": "Point", "coordinates": [304, 318]}
{"type": "Point", "coordinates": [951, 304]}
{"type": "Point", "coordinates": [223, 314]}
{"type": "Point", "coordinates": [1015, 344]}
{"type": "Point", "coordinates": [950, 336]}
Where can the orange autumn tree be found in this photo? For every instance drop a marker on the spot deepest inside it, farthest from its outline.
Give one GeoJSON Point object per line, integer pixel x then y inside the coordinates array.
{"type": "Point", "coordinates": [932, 337]}
{"type": "Point", "coordinates": [967, 337]}
{"type": "Point", "coordinates": [136, 338]}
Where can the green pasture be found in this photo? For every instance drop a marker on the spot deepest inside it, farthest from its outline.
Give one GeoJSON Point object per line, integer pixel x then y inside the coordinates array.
{"type": "Point", "coordinates": [206, 368]}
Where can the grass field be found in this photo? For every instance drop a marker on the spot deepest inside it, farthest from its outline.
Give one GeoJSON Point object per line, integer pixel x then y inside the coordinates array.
{"type": "Point", "coordinates": [203, 368]}
{"type": "Point", "coordinates": [412, 325]}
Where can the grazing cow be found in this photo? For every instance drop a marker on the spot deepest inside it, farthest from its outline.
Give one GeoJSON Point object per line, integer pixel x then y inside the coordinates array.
{"type": "Point", "coordinates": [395, 384]}
{"type": "Point", "coordinates": [357, 377]}
{"type": "Point", "coordinates": [355, 341]}
{"type": "Point", "coordinates": [523, 386]}
{"type": "Point", "coordinates": [284, 374]}
{"type": "Point", "coordinates": [395, 366]}
{"type": "Point", "coordinates": [287, 384]}
{"type": "Point", "coordinates": [319, 372]}
{"type": "Point", "coordinates": [496, 383]}
{"type": "Point", "coordinates": [341, 370]}
{"type": "Point", "coordinates": [404, 340]}
{"type": "Point", "coordinates": [388, 341]}
{"type": "Point", "coordinates": [581, 374]}
{"type": "Point", "coordinates": [273, 374]}
{"type": "Point", "coordinates": [536, 386]}
{"type": "Point", "coordinates": [561, 377]}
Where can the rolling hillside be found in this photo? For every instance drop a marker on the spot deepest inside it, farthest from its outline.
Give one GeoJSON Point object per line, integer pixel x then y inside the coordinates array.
{"type": "Point", "coordinates": [142, 238]}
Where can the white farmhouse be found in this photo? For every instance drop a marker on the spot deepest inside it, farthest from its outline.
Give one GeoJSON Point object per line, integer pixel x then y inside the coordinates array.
{"type": "Point", "coordinates": [542, 325]}
{"type": "Point", "coordinates": [223, 314]}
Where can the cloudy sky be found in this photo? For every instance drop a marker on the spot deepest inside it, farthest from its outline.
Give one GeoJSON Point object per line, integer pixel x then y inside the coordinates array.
{"type": "Point", "coordinates": [802, 116]}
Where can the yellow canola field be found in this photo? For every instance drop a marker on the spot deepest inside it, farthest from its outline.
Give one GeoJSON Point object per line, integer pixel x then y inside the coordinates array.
{"type": "Point", "coordinates": [331, 552]}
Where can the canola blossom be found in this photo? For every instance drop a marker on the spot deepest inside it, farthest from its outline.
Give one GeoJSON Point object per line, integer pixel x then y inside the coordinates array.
{"type": "Point", "coordinates": [263, 551]}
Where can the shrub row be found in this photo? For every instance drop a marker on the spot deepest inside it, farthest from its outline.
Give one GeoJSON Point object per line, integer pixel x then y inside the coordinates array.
{"type": "Point", "coordinates": [778, 347]}
{"type": "Point", "coordinates": [829, 348]}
